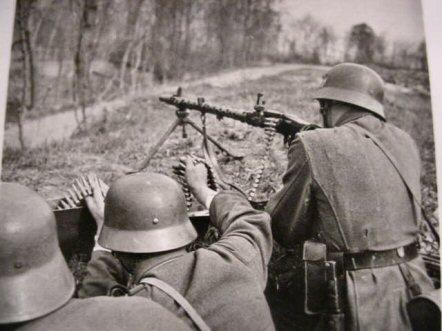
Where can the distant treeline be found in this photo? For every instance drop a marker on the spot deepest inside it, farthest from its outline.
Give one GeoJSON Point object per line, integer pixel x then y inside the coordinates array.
{"type": "Point", "coordinates": [72, 53]}
{"type": "Point", "coordinates": [308, 40]}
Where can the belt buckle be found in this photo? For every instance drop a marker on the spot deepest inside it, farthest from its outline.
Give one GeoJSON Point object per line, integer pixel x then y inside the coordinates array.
{"type": "Point", "coordinates": [400, 252]}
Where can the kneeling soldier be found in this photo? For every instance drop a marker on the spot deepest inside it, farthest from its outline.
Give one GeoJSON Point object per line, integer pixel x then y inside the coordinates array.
{"type": "Point", "coordinates": [36, 286]}
{"type": "Point", "coordinates": [147, 229]}
{"type": "Point", "coordinates": [354, 186]}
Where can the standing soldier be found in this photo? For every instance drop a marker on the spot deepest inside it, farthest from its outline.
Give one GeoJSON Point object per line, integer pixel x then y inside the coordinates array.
{"type": "Point", "coordinates": [36, 286]}
{"type": "Point", "coordinates": [147, 229]}
{"type": "Point", "coordinates": [354, 187]}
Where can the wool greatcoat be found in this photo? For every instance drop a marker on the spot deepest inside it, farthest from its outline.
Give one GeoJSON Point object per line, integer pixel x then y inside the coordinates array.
{"type": "Point", "coordinates": [223, 282]}
{"type": "Point", "coordinates": [340, 189]}
{"type": "Point", "coordinates": [104, 313]}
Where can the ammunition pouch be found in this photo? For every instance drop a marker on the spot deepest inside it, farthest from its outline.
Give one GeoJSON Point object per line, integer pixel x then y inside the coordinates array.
{"type": "Point", "coordinates": [311, 282]}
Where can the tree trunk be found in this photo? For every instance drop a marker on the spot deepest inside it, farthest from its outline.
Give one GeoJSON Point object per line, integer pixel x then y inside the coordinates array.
{"type": "Point", "coordinates": [55, 30]}
{"type": "Point", "coordinates": [60, 81]}
{"type": "Point", "coordinates": [124, 64]}
{"type": "Point", "coordinates": [156, 45]}
{"type": "Point", "coordinates": [136, 66]}
{"type": "Point", "coordinates": [131, 27]}
{"type": "Point", "coordinates": [28, 87]}
{"type": "Point", "coordinates": [187, 23]}
{"type": "Point", "coordinates": [245, 38]}
{"type": "Point", "coordinates": [21, 133]}
{"type": "Point", "coordinates": [28, 61]}
{"type": "Point", "coordinates": [80, 61]}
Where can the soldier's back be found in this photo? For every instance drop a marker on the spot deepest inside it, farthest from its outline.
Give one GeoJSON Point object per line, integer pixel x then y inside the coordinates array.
{"type": "Point", "coordinates": [364, 206]}
{"type": "Point", "coordinates": [105, 313]}
{"type": "Point", "coordinates": [363, 203]}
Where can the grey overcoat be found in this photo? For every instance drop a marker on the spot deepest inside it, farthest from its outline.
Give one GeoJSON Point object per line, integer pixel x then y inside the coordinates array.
{"type": "Point", "coordinates": [340, 189]}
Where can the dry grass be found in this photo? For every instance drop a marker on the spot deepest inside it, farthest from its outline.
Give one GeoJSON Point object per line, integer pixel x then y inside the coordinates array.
{"type": "Point", "coordinates": [119, 143]}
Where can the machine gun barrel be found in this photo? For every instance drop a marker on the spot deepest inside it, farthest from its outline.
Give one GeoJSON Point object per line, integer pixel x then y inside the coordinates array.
{"type": "Point", "coordinates": [220, 112]}
{"type": "Point", "coordinates": [284, 124]}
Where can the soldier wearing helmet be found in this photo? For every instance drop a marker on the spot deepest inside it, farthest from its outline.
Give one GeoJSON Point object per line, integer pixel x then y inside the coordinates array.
{"type": "Point", "coordinates": [147, 229]}
{"type": "Point", "coordinates": [36, 286]}
{"type": "Point", "coordinates": [348, 186]}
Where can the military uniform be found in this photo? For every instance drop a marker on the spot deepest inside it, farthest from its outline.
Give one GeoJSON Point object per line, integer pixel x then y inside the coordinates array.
{"type": "Point", "coordinates": [224, 282]}
{"type": "Point", "coordinates": [340, 189]}
{"type": "Point", "coordinates": [104, 313]}
{"type": "Point", "coordinates": [36, 286]}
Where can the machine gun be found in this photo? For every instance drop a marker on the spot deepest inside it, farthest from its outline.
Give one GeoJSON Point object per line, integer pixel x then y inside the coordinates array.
{"type": "Point", "coordinates": [271, 121]}
{"type": "Point", "coordinates": [287, 125]}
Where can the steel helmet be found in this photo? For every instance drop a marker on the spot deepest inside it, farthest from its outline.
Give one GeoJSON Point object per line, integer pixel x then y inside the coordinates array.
{"type": "Point", "coordinates": [354, 84]}
{"type": "Point", "coordinates": [34, 277]}
{"type": "Point", "coordinates": [145, 213]}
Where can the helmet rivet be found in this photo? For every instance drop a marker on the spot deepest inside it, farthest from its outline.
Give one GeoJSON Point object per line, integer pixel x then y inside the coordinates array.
{"type": "Point", "coordinates": [155, 221]}
{"type": "Point", "coordinates": [18, 265]}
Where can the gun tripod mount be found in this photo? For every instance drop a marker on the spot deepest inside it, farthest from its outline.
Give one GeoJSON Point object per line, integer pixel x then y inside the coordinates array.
{"type": "Point", "coordinates": [182, 119]}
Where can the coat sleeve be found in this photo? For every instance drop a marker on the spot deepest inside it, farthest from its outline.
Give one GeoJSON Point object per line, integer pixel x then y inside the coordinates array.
{"type": "Point", "coordinates": [245, 232]}
{"type": "Point", "coordinates": [102, 273]}
{"type": "Point", "coordinates": [292, 207]}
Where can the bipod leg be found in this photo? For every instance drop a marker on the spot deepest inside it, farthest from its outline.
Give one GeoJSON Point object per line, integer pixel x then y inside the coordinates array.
{"type": "Point", "coordinates": [154, 149]}
{"type": "Point", "coordinates": [213, 141]}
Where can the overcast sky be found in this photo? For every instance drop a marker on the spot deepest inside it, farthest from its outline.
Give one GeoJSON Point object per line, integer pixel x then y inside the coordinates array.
{"type": "Point", "coordinates": [398, 19]}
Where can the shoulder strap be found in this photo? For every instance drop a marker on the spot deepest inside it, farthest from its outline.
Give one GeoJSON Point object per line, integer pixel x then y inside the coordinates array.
{"type": "Point", "coordinates": [392, 160]}
{"type": "Point", "coordinates": [175, 295]}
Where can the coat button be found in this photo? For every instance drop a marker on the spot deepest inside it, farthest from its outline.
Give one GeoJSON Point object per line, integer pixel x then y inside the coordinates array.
{"type": "Point", "coordinates": [400, 252]}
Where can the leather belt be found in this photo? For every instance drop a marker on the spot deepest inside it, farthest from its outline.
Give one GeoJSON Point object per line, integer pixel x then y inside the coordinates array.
{"type": "Point", "coordinates": [375, 259]}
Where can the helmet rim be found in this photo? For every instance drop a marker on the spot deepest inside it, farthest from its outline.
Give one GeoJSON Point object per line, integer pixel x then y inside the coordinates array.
{"type": "Point", "coordinates": [34, 275]}
{"type": "Point", "coordinates": [351, 97]}
{"type": "Point", "coordinates": [145, 213]}
{"type": "Point", "coordinates": [53, 277]}
{"type": "Point", "coordinates": [148, 241]}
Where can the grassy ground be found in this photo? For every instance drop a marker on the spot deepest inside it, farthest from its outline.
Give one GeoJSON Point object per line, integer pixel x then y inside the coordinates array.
{"type": "Point", "coordinates": [120, 141]}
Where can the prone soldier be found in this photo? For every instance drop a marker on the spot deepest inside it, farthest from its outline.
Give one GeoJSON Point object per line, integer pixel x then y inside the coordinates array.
{"type": "Point", "coordinates": [147, 229]}
{"type": "Point", "coordinates": [36, 286]}
{"type": "Point", "coordinates": [354, 186]}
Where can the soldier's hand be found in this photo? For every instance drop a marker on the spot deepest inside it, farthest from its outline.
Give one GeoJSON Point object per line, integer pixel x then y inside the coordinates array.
{"type": "Point", "coordinates": [196, 177]}
{"type": "Point", "coordinates": [95, 202]}
{"type": "Point", "coordinates": [196, 174]}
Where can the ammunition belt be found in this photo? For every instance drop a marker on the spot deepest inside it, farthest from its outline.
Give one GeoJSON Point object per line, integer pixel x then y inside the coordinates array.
{"type": "Point", "coordinates": [375, 259]}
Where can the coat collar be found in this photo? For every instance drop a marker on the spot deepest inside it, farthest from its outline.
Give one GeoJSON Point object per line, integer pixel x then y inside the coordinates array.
{"type": "Point", "coordinates": [363, 119]}
{"type": "Point", "coordinates": [150, 265]}
{"type": "Point", "coordinates": [351, 116]}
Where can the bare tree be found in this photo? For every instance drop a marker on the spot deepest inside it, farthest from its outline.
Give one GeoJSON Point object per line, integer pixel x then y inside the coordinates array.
{"type": "Point", "coordinates": [326, 39]}
{"type": "Point", "coordinates": [85, 9]}
{"type": "Point", "coordinates": [133, 37]}
{"type": "Point", "coordinates": [380, 46]}
{"type": "Point", "coordinates": [28, 85]}
{"type": "Point", "coordinates": [142, 42]}
{"type": "Point", "coordinates": [362, 37]}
